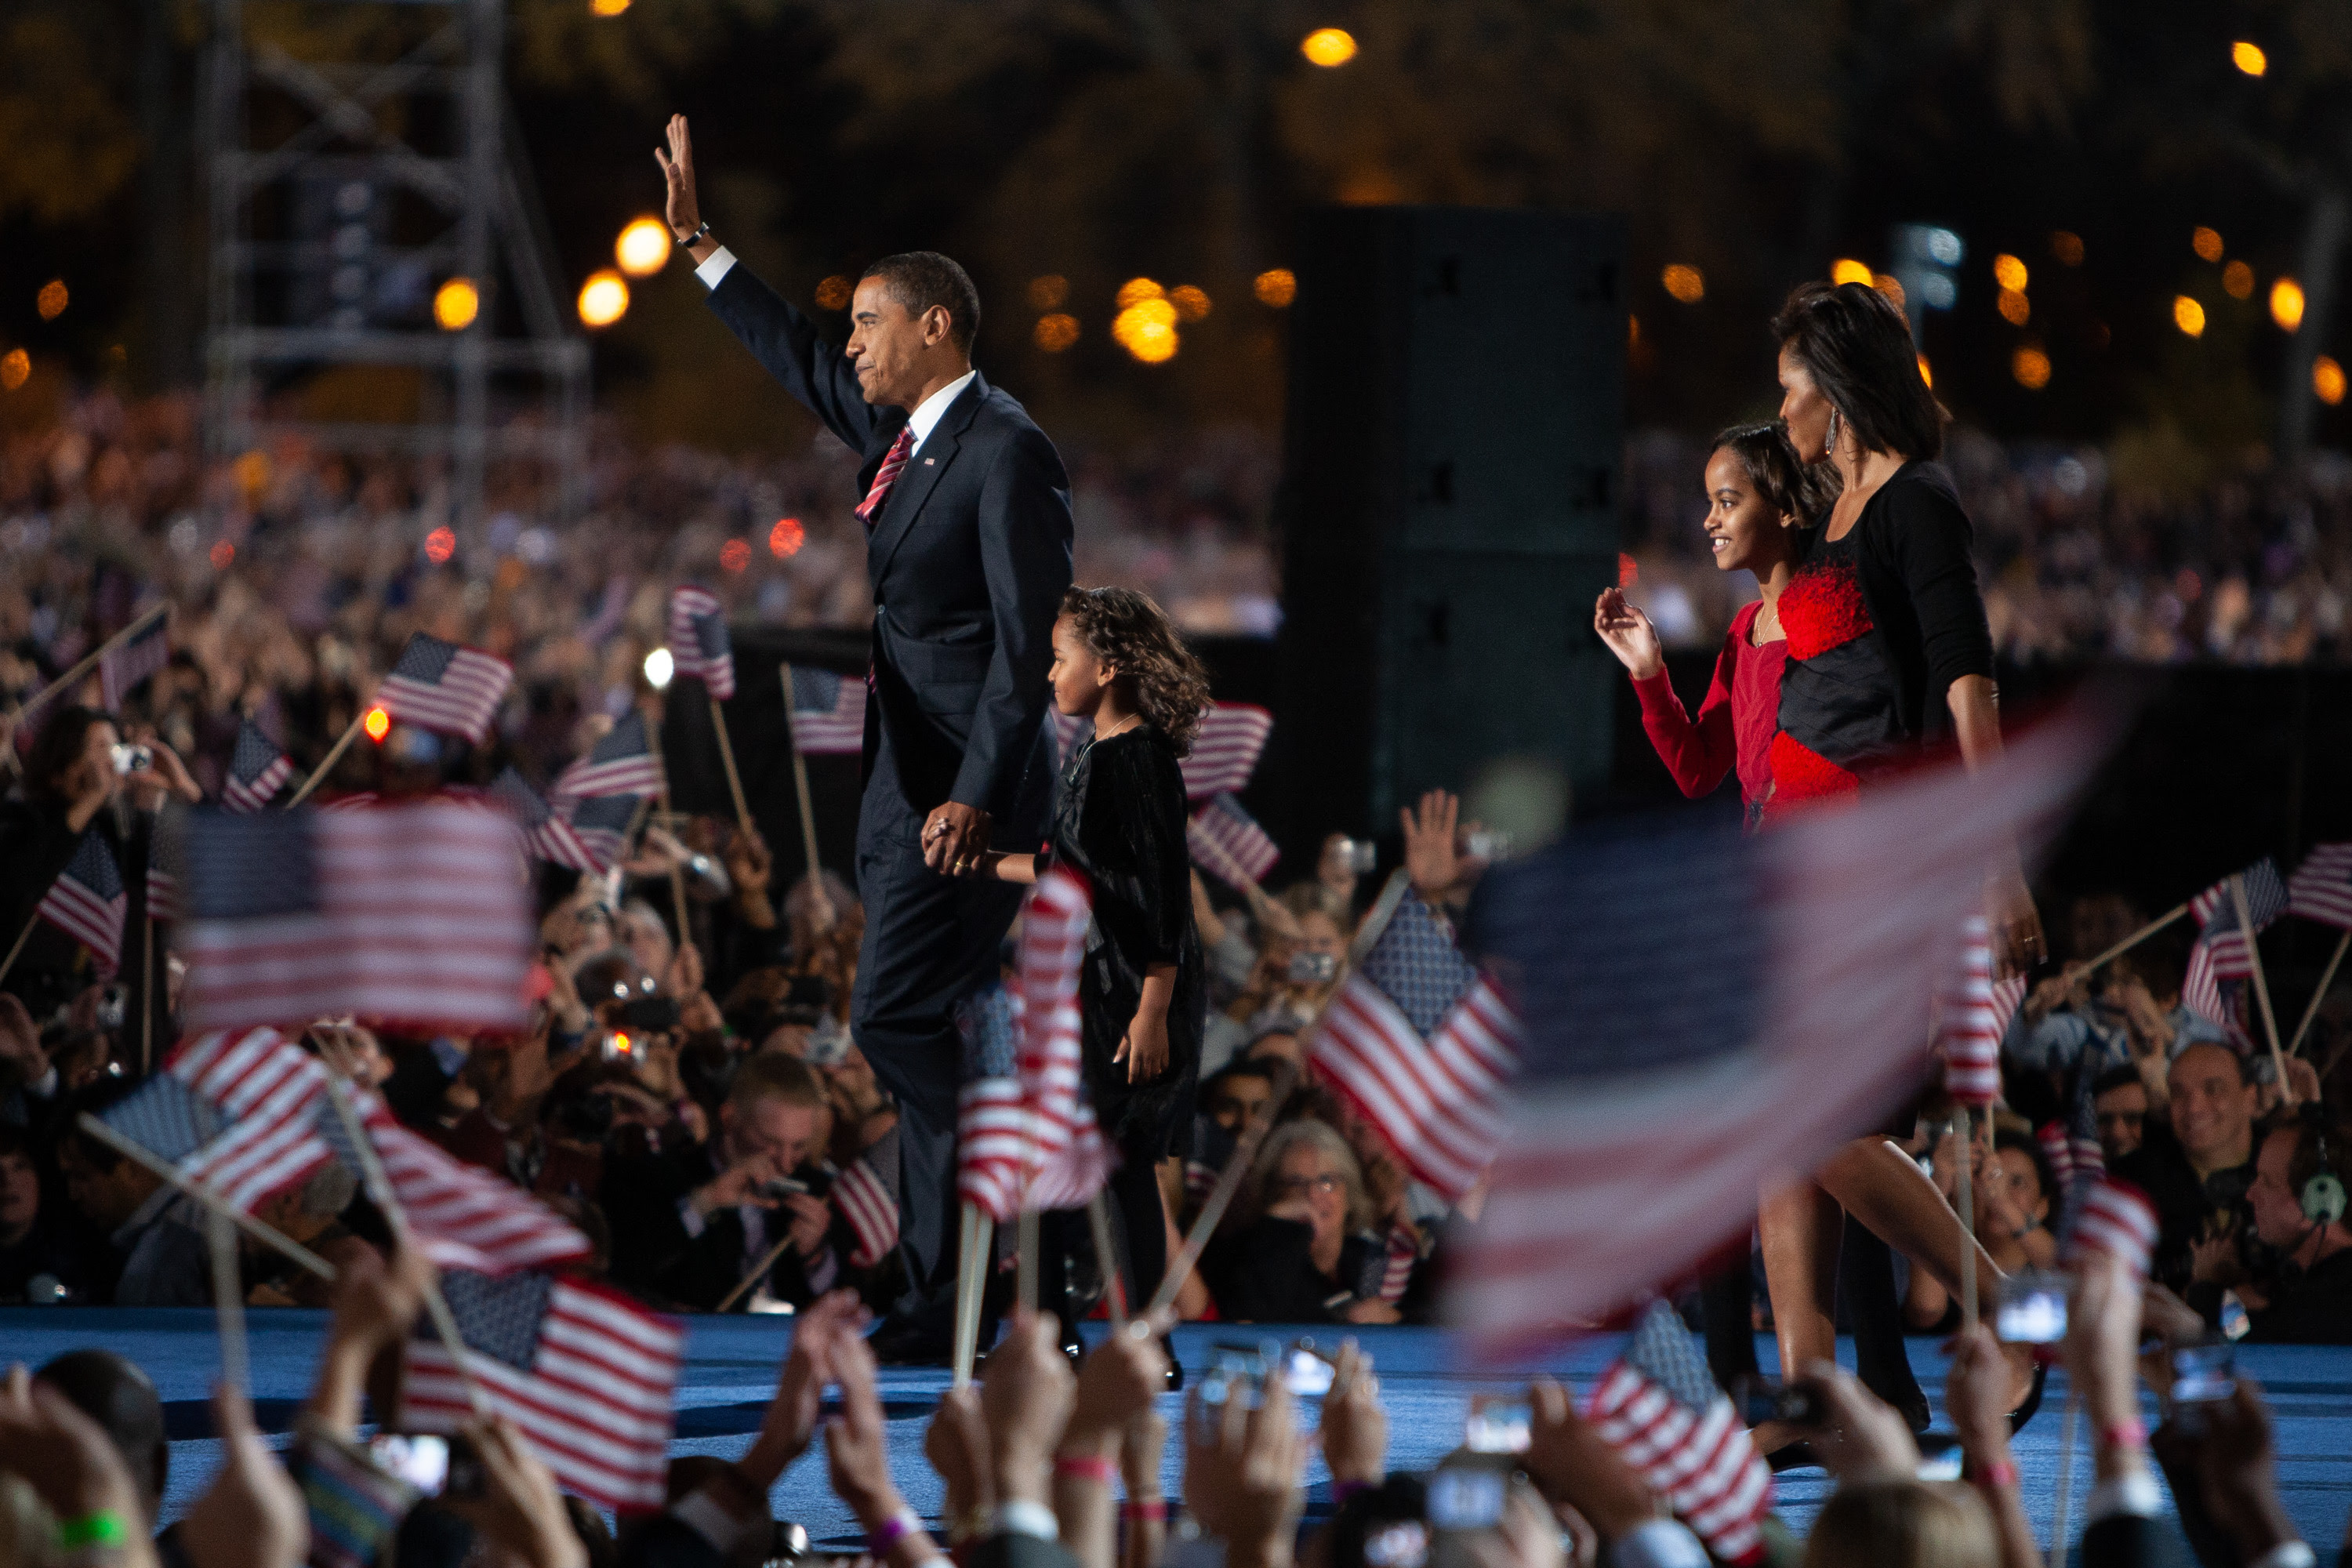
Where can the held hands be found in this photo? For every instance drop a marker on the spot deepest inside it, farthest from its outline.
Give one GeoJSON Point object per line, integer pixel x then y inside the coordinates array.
{"type": "Point", "coordinates": [1629, 634]}
{"type": "Point", "coordinates": [955, 838]}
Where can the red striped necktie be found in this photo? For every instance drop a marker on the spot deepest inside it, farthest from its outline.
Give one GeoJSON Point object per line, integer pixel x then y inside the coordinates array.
{"type": "Point", "coordinates": [886, 475]}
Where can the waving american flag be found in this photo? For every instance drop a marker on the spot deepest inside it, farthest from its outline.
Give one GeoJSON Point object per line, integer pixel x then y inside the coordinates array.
{"type": "Point", "coordinates": [1225, 751]}
{"type": "Point", "coordinates": [2321, 888]}
{"type": "Point", "coordinates": [1657, 1406]}
{"type": "Point", "coordinates": [87, 900]}
{"type": "Point", "coordinates": [1227, 843]}
{"type": "Point", "coordinates": [2224, 952]}
{"type": "Point", "coordinates": [258, 770]}
{"type": "Point", "coordinates": [828, 713]}
{"type": "Point", "coordinates": [698, 640]}
{"type": "Point", "coordinates": [437, 685]}
{"type": "Point", "coordinates": [622, 761]}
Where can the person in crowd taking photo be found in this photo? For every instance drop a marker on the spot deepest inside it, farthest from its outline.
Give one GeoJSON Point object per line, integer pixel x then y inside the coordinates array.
{"type": "Point", "coordinates": [956, 754]}
{"type": "Point", "coordinates": [1119, 824]}
{"type": "Point", "coordinates": [1301, 1249]}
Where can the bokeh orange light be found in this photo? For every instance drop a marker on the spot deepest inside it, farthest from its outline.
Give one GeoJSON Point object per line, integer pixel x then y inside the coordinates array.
{"type": "Point", "coordinates": [735, 554]}
{"type": "Point", "coordinates": [1050, 292]}
{"type": "Point", "coordinates": [440, 544]}
{"type": "Point", "coordinates": [456, 304]}
{"type": "Point", "coordinates": [1191, 303]}
{"type": "Point", "coordinates": [604, 298]}
{"type": "Point", "coordinates": [2327, 381]}
{"type": "Point", "coordinates": [2030, 366]}
{"type": "Point", "coordinates": [2206, 243]}
{"type": "Point", "coordinates": [835, 293]}
{"type": "Point", "coordinates": [220, 554]}
{"type": "Point", "coordinates": [378, 724]}
{"type": "Point", "coordinates": [1056, 332]}
{"type": "Point", "coordinates": [1685, 283]}
{"type": "Point", "coordinates": [1277, 287]}
{"type": "Point", "coordinates": [2238, 280]}
{"type": "Point", "coordinates": [2188, 315]}
{"type": "Point", "coordinates": [2067, 247]}
{"type": "Point", "coordinates": [2249, 58]}
{"type": "Point", "coordinates": [2286, 303]}
{"type": "Point", "coordinates": [642, 247]}
{"type": "Point", "coordinates": [786, 538]}
{"type": "Point", "coordinates": [52, 299]}
{"type": "Point", "coordinates": [1328, 47]}
{"type": "Point", "coordinates": [1847, 270]}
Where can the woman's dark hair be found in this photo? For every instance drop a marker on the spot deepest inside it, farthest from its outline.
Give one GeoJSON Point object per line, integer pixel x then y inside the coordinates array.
{"type": "Point", "coordinates": [1125, 630]}
{"type": "Point", "coordinates": [2031, 1147]}
{"type": "Point", "coordinates": [58, 747]}
{"type": "Point", "coordinates": [1857, 347]}
{"type": "Point", "coordinates": [1789, 487]}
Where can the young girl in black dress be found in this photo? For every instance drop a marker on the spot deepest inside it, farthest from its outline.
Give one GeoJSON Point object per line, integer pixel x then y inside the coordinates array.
{"type": "Point", "coordinates": [1118, 821]}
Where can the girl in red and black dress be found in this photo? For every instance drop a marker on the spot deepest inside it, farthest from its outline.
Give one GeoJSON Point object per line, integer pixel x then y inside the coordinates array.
{"type": "Point", "coordinates": [1758, 498]}
{"type": "Point", "coordinates": [1888, 656]}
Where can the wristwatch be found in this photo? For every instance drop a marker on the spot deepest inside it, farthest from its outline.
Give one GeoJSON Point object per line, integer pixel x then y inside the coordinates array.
{"type": "Point", "coordinates": [698, 234]}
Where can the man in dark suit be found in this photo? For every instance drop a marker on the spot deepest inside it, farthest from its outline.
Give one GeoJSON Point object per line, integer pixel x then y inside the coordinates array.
{"type": "Point", "coordinates": [967, 512]}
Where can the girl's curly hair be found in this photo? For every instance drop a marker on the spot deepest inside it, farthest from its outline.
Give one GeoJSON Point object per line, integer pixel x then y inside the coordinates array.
{"type": "Point", "coordinates": [1789, 487]}
{"type": "Point", "coordinates": [1125, 630]}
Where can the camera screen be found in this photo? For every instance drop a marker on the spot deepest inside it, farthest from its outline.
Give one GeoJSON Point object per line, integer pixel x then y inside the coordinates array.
{"type": "Point", "coordinates": [422, 1462]}
{"type": "Point", "coordinates": [2032, 1310]}
{"type": "Point", "coordinates": [1498, 1424]}
{"type": "Point", "coordinates": [2203, 1373]}
{"type": "Point", "coordinates": [1465, 1498]}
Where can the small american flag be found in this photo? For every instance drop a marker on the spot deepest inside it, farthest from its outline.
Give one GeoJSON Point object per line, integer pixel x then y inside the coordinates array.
{"type": "Point", "coordinates": [1229, 844]}
{"type": "Point", "coordinates": [166, 1117]}
{"type": "Point", "coordinates": [2116, 1218]}
{"type": "Point", "coordinates": [828, 714]}
{"type": "Point", "coordinates": [1404, 1250]}
{"type": "Point", "coordinates": [1966, 1026]}
{"type": "Point", "coordinates": [861, 1198]}
{"type": "Point", "coordinates": [1657, 1406]}
{"type": "Point", "coordinates": [698, 640]}
{"type": "Point", "coordinates": [2060, 1152]}
{"type": "Point", "coordinates": [547, 834]}
{"type": "Point", "coordinates": [163, 894]}
{"type": "Point", "coordinates": [2222, 954]}
{"type": "Point", "coordinates": [1225, 753]}
{"type": "Point", "coordinates": [268, 1095]}
{"type": "Point", "coordinates": [414, 915]}
{"type": "Point", "coordinates": [1025, 1138]}
{"type": "Point", "coordinates": [620, 762]}
{"type": "Point", "coordinates": [2321, 888]}
{"type": "Point", "coordinates": [587, 1375]}
{"type": "Point", "coordinates": [437, 685]}
{"type": "Point", "coordinates": [464, 1216]}
{"type": "Point", "coordinates": [602, 825]}
{"type": "Point", "coordinates": [1654, 1090]}
{"type": "Point", "coordinates": [1423, 1047]}
{"type": "Point", "coordinates": [136, 657]}
{"type": "Point", "coordinates": [258, 770]}
{"type": "Point", "coordinates": [87, 900]}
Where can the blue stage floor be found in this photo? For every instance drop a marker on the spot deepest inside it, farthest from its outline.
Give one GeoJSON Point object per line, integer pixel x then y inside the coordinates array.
{"type": "Point", "coordinates": [732, 1365]}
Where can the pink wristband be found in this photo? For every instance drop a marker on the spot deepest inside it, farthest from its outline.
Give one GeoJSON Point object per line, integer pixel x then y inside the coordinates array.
{"type": "Point", "coordinates": [1153, 1508]}
{"type": "Point", "coordinates": [891, 1531]}
{"type": "Point", "coordinates": [2130, 1436]}
{"type": "Point", "coordinates": [1087, 1467]}
{"type": "Point", "coordinates": [1999, 1474]}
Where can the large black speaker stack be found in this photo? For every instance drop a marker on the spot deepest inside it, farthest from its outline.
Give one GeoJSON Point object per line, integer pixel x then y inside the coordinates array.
{"type": "Point", "coordinates": [1449, 507]}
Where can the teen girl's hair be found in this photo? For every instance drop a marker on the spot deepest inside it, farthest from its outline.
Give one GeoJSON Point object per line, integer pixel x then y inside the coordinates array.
{"type": "Point", "coordinates": [1858, 348]}
{"type": "Point", "coordinates": [1125, 629]}
{"type": "Point", "coordinates": [1789, 487]}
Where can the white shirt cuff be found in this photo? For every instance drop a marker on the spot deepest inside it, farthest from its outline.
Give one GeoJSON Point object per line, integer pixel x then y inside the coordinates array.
{"type": "Point", "coordinates": [2134, 1491]}
{"type": "Point", "coordinates": [690, 1217]}
{"type": "Point", "coordinates": [1022, 1517]}
{"type": "Point", "coordinates": [712, 270]}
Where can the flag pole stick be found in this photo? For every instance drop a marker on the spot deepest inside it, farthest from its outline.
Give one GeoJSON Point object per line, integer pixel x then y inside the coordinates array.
{"type": "Point", "coordinates": [975, 1241]}
{"type": "Point", "coordinates": [147, 996]}
{"type": "Point", "coordinates": [676, 876]}
{"type": "Point", "coordinates": [88, 663]}
{"type": "Point", "coordinates": [334, 755]}
{"type": "Point", "coordinates": [2262, 986]}
{"type": "Point", "coordinates": [229, 1299]}
{"type": "Point", "coordinates": [1967, 1204]}
{"type": "Point", "coordinates": [808, 812]}
{"type": "Point", "coordinates": [1229, 1180]}
{"type": "Point", "coordinates": [1025, 1254]}
{"type": "Point", "coordinates": [2327, 977]}
{"type": "Point", "coordinates": [759, 1272]}
{"type": "Point", "coordinates": [9, 962]}
{"type": "Point", "coordinates": [1107, 1260]}
{"type": "Point", "coordinates": [2139, 936]}
{"type": "Point", "coordinates": [726, 756]}
{"type": "Point", "coordinates": [2059, 1510]}
{"type": "Point", "coordinates": [262, 1232]}
{"type": "Point", "coordinates": [379, 1189]}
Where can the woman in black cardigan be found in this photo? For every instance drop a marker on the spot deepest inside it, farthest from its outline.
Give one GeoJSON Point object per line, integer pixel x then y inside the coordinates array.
{"type": "Point", "coordinates": [1889, 659]}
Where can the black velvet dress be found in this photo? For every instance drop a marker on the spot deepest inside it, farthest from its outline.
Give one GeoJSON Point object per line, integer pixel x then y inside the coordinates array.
{"type": "Point", "coordinates": [1118, 821]}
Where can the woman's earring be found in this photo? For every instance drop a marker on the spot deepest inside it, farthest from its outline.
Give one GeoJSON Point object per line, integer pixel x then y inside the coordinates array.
{"type": "Point", "coordinates": [1834, 432]}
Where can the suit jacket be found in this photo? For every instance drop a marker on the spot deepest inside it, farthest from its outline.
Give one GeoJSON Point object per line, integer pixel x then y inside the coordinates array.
{"type": "Point", "coordinates": [653, 1254]}
{"type": "Point", "coordinates": [968, 560]}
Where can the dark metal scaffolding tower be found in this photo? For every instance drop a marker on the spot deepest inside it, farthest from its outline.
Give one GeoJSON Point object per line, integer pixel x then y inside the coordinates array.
{"type": "Point", "coordinates": [384, 179]}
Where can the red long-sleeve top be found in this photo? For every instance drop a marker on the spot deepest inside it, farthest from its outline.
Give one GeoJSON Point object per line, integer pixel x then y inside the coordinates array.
{"type": "Point", "coordinates": [1735, 723]}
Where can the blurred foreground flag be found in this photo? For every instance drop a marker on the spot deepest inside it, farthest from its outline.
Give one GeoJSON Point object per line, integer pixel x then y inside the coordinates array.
{"type": "Point", "coordinates": [1225, 753]}
{"type": "Point", "coordinates": [138, 656]}
{"type": "Point", "coordinates": [1701, 1010]}
{"type": "Point", "coordinates": [2321, 888]}
{"type": "Point", "coordinates": [414, 915]}
{"type": "Point", "coordinates": [1657, 1406]}
{"type": "Point", "coordinates": [622, 761]}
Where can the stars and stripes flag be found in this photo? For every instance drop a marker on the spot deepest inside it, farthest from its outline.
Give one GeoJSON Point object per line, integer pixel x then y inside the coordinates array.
{"type": "Point", "coordinates": [133, 661]}
{"type": "Point", "coordinates": [412, 914]}
{"type": "Point", "coordinates": [163, 894]}
{"type": "Point", "coordinates": [698, 640]}
{"type": "Point", "coordinates": [2071, 1147]}
{"type": "Point", "coordinates": [1025, 1138]}
{"type": "Point", "coordinates": [1972, 1016]}
{"type": "Point", "coordinates": [587, 1375]}
{"type": "Point", "coordinates": [864, 1199]}
{"type": "Point", "coordinates": [602, 825]}
{"type": "Point", "coordinates": [2223, 952]}
{"type": "Point", "coordinates": [622, 761]}
{"type": "Point", "coordinates": [1747, 1005]}
{"type": "Point", "coordinates": [2115, 1217]}
{"type": "Point", "coordinates": [1225, 751]}
{"type": "Point", "coordinates": [1657, 1406]}
{"type": "Point", "coordinates": [88, 900]}
{"type": "Point", "coordinates": [828, 713]}
{"type": "Point", "coordinates": [258, 770]}
{"type": "Point", "coordinates": [2321, 888]}
{"type": "Point", "coordinates": [1227, 843]}
{"type": "Point", "coordinates": [1422, 1047]}
{"type": "Point", "coordinates": [546, 834]}
{"type": "Point", "coordinates": [438, 686]}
